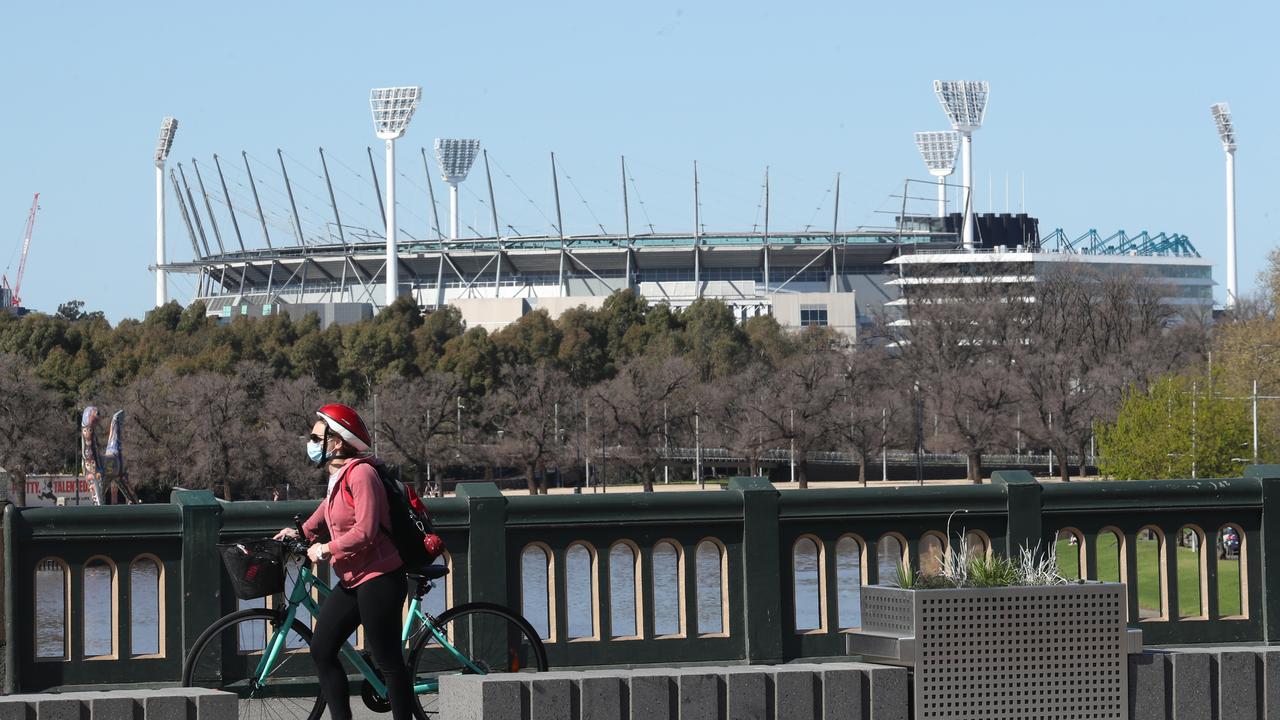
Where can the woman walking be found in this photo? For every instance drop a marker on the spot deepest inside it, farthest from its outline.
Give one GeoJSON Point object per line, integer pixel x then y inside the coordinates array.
{"type": "Point", "coordinates": [347, 529]}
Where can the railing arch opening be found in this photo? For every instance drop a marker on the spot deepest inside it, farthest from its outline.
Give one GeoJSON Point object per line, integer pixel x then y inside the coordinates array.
{"type": "Point", "coordinates": [1192, 568]}
{"type": "Point", "coordinates": [146, 607]}
{"type": "Point", "coordinates": [537, 588]}
{"type": "Point", "coordinates": [581, 578]}
{"type": "Point", "coordinates": [712, 576]}
{"type": "Point", "coordinates": [668, 590]}
{"type": "Point", "coordinates": [1231, 558]}
{"type": "Point", "coordinates": [100, 626]}
{"type": "Point", "coordinates": [808, 584]}
{"type": "Point", "coordinates": [1068, 548]}
{"type": "Point", "coordinates": [1152, 581]}
{"type": "Point", "coordinates": [53, 609]}
{"type": "Point", "coordinates": [850, 577]}
{"type": "Point", "coordinates": [626, 602]}
{"type": "Point", "coordinates": [891, 557]}
{"type": "Point", "coordinates": [1110, 550]}
{"type": "Point", "coordinates": [977, 543]}
{"type": "Point", "coordinates": [932, 553]}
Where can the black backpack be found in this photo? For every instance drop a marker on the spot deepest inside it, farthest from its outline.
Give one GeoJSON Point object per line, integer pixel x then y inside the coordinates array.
{"type": "Point", "coordinates": [410, 529]}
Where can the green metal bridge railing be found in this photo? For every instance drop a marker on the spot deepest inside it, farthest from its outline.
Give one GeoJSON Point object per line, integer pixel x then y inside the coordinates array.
{"type": "Point", "coordinates": [756, 527]}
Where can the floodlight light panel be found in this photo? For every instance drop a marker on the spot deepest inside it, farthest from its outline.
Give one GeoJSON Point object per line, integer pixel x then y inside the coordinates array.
{"type": "Point", "coordinates": [965, 102]}
{"type": "Point", "coordinates": [1226, 128]}
{"type": "Point", "coordinates": [456, 156]}
{"type": "Point", "coordinates": [392, 109]}
{"type": "Point", "coordinates": [167, 130]}
{"type": "Point", "coordinates": [939, 148]}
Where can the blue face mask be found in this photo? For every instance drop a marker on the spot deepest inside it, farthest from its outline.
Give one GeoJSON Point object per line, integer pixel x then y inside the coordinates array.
{"type": "Point", "coordinates": [315, 452]}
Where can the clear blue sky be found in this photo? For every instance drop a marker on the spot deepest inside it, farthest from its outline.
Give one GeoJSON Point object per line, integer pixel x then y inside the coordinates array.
{"type": "Point", "coordinates": [1103, 107]}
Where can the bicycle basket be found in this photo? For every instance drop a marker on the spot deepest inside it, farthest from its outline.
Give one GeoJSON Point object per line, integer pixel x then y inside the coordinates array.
{"type": "Point", "coordinates": [256, 567]}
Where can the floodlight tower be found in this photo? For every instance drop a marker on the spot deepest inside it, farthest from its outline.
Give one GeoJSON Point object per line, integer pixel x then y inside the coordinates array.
{"type": "Point", "coordinates": [455, 157]}
{"type": "Point", "coordinates": [965, 102]}
{"type": "Point", "coordinates": [1227, 133]}
{"type": "Point", "coordinates": [938, 148]}
{"type": "Point", "coordinates": [392, 109]}
{"type": "Point", "coordinates": [167, 130]}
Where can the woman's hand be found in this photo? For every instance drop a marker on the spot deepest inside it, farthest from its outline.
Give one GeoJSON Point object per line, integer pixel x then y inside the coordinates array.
{"type": "Point", "coordinates": [318, 552]}
{"type": "Point", "coordinates": [286, 534]}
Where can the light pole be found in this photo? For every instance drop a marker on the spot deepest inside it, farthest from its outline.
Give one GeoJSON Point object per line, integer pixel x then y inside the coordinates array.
{"type": "Point", "coordinates": [455, 158]}
{"type": "Point", "coordinates": [965, 102]}
{"type": "Point", "coordinates": [392, 109]}
{"type": "Point", "coordinates": [938, 148]}
{"type": "Point", "coordinates": [1227, 133]}
{"type": "Point", "coordinates": [168, 128]}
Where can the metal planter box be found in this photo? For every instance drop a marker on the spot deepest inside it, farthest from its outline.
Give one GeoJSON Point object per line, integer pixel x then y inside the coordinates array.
{"type": "Point", "coordinates": [1013, 652]}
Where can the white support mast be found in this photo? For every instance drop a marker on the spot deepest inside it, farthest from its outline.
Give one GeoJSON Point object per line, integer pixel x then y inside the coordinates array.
{"type": "Point", "coordinates": [392, 109]}
{"type": "Point", "coordinates": [167, 130]}
{"type": "Point", "coordinates": [965, 102]}
{"type": "Point", "coordinates": [1227, 133]}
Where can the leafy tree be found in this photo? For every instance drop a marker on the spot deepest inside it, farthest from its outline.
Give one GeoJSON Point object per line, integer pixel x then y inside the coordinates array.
{"type": "Point", "coordinates": [1178, 427]}
{"type": "Point", "coordinates": [35, 434]}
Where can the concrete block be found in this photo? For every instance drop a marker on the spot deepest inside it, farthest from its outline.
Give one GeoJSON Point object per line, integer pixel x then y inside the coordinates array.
{"type": "Point", "coordinates": [748, 693]}
{"type": "Point", "coordinates": [699, 695]}
{"type": "Point", "coordinates": [602, 696]}
{"type": "Point", "coordinates": [890, 692]}
{"type": "Point", "coordinates": [60, 707]}
{"type": "Point", "coordinates": [114, 706]}
{"type": "Point", "coordinates": [651, 695]}
{"type": "Point", "coordinates": [1192, 687]}
{"type": "Point", "coordinates": [16, 709]}
{"type": "Point", "coordinates": [796, 693]}
{"type": "Point", "coordinates": [1237, 685]}
{"type": "Point", "coordinates": [1271, 684]}
{"type": "Point", "coordinates": [1148, 686]}
{"type": "Point", "coordinates": [845, 694]}
{"type": "Point", "coordinates": [214, 705]}
{"type": "Point", "coordinates": [159, 706]}
{"type": "Point", "coordinates": [550, 696]}
{"type": "Point", "coordinates": [482, 697]}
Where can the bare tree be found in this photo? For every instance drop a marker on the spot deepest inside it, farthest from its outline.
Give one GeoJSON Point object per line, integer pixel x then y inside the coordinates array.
{"type": "Point", "coordinates": [531, 413]}
{"type": "Point", "coordinates": [286, 414]}
{"type": "Point", "coordinates": [417, 421]}
{"type": "Point", "coordinates": [633, 406]}
{"type": "Point", "coordinates": [866, 413]}
{"type": "Point", "coordinates": [35, 435]}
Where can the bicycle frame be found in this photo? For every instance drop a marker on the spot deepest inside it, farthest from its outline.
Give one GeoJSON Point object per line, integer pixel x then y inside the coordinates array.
{"type": "Point", "coordinates": [301, 596]}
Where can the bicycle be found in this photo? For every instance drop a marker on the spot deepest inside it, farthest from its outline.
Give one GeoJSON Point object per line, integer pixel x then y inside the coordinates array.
{"type": "Point", "coordinates": [273, 674]}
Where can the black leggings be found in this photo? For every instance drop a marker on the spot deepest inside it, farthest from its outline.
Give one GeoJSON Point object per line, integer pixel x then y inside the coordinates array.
{"type": "Point", "coordinates": [376, 604]}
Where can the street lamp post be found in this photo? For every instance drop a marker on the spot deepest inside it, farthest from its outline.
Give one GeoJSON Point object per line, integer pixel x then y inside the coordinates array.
{"type": "Point", "coordinates": [392, 108]}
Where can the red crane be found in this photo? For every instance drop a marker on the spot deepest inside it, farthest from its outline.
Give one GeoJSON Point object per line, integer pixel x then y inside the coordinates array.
{"type": "Point", "coordinates": [16, 299]}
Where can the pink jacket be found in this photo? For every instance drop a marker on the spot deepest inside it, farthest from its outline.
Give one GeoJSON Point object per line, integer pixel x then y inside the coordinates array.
{"type": "Point", "coordinates": [360, 547]}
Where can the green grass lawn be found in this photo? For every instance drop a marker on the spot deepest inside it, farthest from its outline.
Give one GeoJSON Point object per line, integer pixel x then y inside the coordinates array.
{"type": "Point", "coordinates": [1149, 579]}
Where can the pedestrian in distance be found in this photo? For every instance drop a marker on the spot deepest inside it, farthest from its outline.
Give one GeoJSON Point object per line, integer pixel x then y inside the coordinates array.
{"type": "Point", "coordinates": [349, 529]}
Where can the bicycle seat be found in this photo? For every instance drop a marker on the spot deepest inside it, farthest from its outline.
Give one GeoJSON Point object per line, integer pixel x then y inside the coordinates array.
{"type": "Point", "coordinates": [429, 572]}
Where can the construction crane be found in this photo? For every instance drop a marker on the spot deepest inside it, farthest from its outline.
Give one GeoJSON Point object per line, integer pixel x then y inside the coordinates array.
{"type": "Point", "coordinates": [13, 290]}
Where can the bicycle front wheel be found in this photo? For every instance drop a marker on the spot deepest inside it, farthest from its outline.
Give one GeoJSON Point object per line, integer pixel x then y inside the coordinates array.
{"type": "Point", "coordinates": [485, 638]}
{"type": "Point", "coordinates": [228, 653]}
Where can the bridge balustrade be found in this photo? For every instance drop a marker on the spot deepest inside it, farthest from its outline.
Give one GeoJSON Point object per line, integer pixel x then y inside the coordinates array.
{"type": "Point", "coordinates": [119, 594]}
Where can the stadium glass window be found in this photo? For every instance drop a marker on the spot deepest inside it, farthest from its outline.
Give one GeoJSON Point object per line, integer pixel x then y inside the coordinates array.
{"type": "Point", "coordinates": [813, 315]}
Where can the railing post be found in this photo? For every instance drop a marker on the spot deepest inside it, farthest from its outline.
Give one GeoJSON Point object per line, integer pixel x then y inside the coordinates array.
{"type": "Point", "coordinates": [201, 567]}
{"type": "Point", "coordinates": [487, 563]}
{"type": "Point", "coordinates": [1023, 499]}
{"type": "Point", "coordinates": [762, 578]}
{"type": "Point", "coordinates": [13, 669]}
{"type": "Point", "coordinates": [1268, 549]}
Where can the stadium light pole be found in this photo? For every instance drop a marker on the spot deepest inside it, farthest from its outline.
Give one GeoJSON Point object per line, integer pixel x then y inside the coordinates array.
{"type": "Point", "coordinates": [455, 156]}
{"type": "Point", "coordinates": [167, 130]}
{"type": "Point", "coordinates": [392, 109]}
{"type": "Point", "coordinates": [965, 102]}
{"type": "Point", "coordinates": [1227, 133]}
{"type": "Point", "coordinates": [938, 148]}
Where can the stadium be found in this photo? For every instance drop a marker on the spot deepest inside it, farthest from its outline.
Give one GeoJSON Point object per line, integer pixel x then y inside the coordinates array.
{"type": "Point", "coordinates": [839, 278]}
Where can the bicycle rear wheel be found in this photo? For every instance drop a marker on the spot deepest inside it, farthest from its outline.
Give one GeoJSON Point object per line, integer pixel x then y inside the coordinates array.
{"type": "Point", "coordinates": [227, 653]}
{"type": "Point", "coordinates": [490, 637]}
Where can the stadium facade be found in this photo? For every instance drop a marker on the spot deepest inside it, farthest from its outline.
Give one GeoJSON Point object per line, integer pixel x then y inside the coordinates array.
{"type": "Point", "coordinates": [841, 279]}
